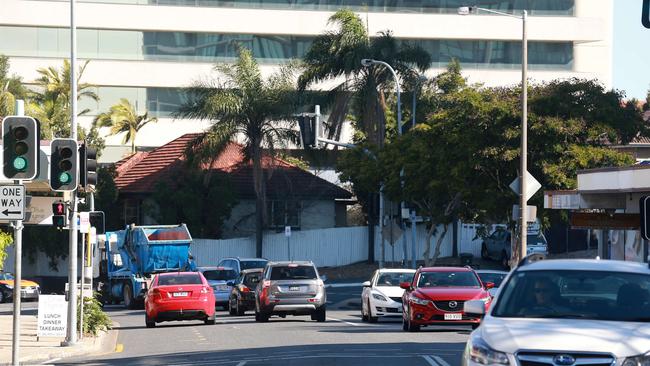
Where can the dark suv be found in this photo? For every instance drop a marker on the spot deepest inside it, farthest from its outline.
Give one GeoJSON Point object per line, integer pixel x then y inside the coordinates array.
{"type": "Point", "coordinates": [290, 288]}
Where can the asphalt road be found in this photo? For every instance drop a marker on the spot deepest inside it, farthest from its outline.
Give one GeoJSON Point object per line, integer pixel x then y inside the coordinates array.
{"type": "Point", "coordinates": [239, 341]}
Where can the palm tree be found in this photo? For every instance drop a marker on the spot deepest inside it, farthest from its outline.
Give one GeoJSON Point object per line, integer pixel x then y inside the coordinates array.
{"type": "Point", "coordinates": [123, 117]}
{"type": "Point", "coordinates": [339, 53]}
{"type": "Point", "coordinates": [243, 105]}
{"type": "Point", "coordinates": [11, 88]}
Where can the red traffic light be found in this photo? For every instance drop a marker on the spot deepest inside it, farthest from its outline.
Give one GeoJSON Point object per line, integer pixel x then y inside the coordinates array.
{"type": "Point", "coordinates": [58, 208]}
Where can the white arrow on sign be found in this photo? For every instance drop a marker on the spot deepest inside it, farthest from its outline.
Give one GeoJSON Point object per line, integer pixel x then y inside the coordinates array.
{"type": "Point", "coordinates": [532, 186]}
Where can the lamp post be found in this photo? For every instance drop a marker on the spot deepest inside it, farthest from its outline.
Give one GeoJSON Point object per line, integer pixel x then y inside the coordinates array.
{"type": "Point", "coordinates": [366, 62]}
{"type": "Point", "coordinates": [466, 10]}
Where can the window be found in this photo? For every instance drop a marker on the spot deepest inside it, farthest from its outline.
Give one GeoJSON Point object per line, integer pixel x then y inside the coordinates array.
{"type": "Point", "coordinates": [448, 279]}
{"type": "Point", "coordinates": [131, 211]}
{"type": "Point", "coordinates": [220, 275]}
{"type": "Point", "coordinates": [394, 279]}
{"type": "Point", "coordinates": [182, 279]}
{"type": "Point", "coordinates": [284, 213]}
{"type": "Point", "coordinates": [293, 273]}
{"type": "Point", "coordinates": [252, 279]}
{"type": "Point", "coordinates": [252, 264]}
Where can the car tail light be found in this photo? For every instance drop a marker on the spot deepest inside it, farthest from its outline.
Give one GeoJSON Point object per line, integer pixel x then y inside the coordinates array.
{"type": "Point", "coordinates": [205, 290]}
{"type": "Point", "coordinates": [313, 300]}
{"type": "Point", "coordinates": [156, 294]}
{"type": "Point", "coordinates": [245, 289]}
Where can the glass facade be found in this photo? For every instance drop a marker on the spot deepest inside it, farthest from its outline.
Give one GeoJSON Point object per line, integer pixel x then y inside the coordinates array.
{"type": "Point", "coordinates": [535, 7]}
{"type": "Point", "coordinates": [212, 47]}
{"type": "Point", "coordinates": [159, 102]}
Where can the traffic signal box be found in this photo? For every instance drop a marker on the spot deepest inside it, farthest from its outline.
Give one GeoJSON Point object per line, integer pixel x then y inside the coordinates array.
{"type": "Point", "coordinates": [20, 145]}
{"type": "Point", "coordinates": [87, 166]}
{"type": "Point", "coordinates": [64, 165]}
{"type": "Point", "coordinates": [59, 212]}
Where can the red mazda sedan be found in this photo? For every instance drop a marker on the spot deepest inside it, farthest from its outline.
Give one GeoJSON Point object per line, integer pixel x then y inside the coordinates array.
{"type": "Point", "coordinates": [179, 296]}
{"type": "Point", "coordinates": [437, 295]}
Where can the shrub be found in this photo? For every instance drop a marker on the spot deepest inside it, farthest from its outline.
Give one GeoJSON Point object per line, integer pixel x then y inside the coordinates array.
{"type": "Point", "coordinates": [95, 319]}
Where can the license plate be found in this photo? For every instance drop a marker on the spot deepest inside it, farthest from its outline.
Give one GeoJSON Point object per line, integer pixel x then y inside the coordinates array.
{"type": "Point", "coordinates": [180, 294]}
{"type": "Point", "coordinates": [294, 288]}
{"type": "Point", "coordinates": [453, 316]}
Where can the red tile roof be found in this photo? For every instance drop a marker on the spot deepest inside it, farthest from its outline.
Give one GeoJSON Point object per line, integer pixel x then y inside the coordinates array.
{"type": "Point", "coordinates": [140, 172]}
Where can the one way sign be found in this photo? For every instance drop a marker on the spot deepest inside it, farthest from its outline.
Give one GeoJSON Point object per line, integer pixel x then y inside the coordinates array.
{"type": "Point", "coordinates": [12, 202]}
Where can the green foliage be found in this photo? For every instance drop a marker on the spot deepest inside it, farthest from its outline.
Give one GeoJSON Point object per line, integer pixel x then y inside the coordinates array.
{"type": "Point", "coordinates": [47, 239]}
{"type": "Point", "coordinates": [6, 239]}
{"type": "Point", "coordinates": [202, 200]}
{"type": "Point", "coordinates": [11, 88]}
{"type": "Point", "coordinates": [106, 198]}
{"type": "Point", "coordinates": [123, 118]}
{"type": "Point", "coordinates": [95, 319]}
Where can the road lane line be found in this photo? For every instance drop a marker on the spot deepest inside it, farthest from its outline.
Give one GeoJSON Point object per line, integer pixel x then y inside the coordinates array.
{"type": "Point", "coordinates": [49, 362]}
{"type": "Point", "coordinates": [119, 348]}
{"type": "Point", "coordinates": [441, 361]}
{"type": "Point", "coordinates": [430, 360]}
{"type": "Point", "coordinates": [242, 363]}
{"type": "Point", "coordinates": [343, 321]}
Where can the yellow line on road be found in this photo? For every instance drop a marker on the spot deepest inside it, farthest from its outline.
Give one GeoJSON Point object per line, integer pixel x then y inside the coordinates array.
{"type": "Point", "coordinates": [119, 348]}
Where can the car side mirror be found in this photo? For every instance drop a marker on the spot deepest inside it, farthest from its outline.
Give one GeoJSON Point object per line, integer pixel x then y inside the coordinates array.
{"type": "Point", "coordinates": [405, 285]}
{"type": "Point", "coordinates": [230, 283]}
{"type": "Point", "coordinates": [366, 284]}
{"type": "Point", "coordinates": [489, 285]}
{"type": "Point", "coordinates": [474, 308]}
{"type": "Point", "coordinates": [323, 278]}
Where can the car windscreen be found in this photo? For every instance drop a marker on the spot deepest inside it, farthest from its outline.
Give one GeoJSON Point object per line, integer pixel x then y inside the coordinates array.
{"type": "Point", "coordinates": [495, 278]}
{"type": "Point", "coordinates": [251, 279]}
{"type": "Point", "coordinates": [535, 240]}
{"type": "Point", "coordinates": [394, 278]}
{"type": "Point", "coordinates": [6, 276]}
{"type": "Point", "coordinates": [293, 273]}
{"type": "Point", "coordinates": [448, 279]}
{"type": "Point", "coordinates": [252, 264]}
{"type": "Point", "coordinates": [220, 274]}
{"type": "Point", "coordinates": [597, 295]}
{"type": "Point", "coordinates": [180, 279]}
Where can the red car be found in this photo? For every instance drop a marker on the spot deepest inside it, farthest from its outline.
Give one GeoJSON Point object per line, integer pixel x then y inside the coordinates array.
{"type": "Point", "coordinates": [179, 296]}
{"type": "Point", "coordinates": [437, 294]}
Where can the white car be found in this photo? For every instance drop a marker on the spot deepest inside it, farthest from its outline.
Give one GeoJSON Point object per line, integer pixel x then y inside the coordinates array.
{"type": "Point", "coordinates": [565, 313]}
{"type": "Point", "coordinates": [382, 296]}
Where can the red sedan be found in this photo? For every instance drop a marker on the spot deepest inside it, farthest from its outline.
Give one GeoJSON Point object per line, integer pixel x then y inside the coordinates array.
{"type": "Point", "coordinates": [179, 296]}
{"type": "Point", "coordinates": [437, 295]}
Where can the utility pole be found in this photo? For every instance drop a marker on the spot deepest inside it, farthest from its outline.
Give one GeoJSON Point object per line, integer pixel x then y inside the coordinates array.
{"type": "Point", "coordinates": [18, 268]}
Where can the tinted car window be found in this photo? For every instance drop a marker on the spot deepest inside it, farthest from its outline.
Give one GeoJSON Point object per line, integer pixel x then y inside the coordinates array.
{"type": "Point", "coordinates": [536, 240]}
{"type": "Point", "coordinates": [448, 279]}
{"type": "Point", "coordinates": [182, 279]}
{"type": "Point", "coordinates": [220, 274]}
{"type": "Point", "coordinates": [252, 279]}
{"type": "Point", "coordinates": [252, 264]}
{"type": "Point", "coordinates": [595, 295]}
{"type": "Point", "coordinates": [495, 278]}
{"type": "Point", "coordinates": [394, 279]}
{"type": "Point", "coordinates": [293, 273]}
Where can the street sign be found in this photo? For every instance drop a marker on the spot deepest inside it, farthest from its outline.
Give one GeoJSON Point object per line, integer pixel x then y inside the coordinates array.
{"type": "Point", "coordinates": [531, 213]}
{"type": "Point", "coordinates": [52, 316]}
{"type": "Point", "coordinates": [84, 222]}
{"type": "Point", "coordinates": [12, 202]}
{"type": "Point", "coordinates": [645, 14]}
{"type": "Point", "coordinates": [532, 186]}
{"type": "Point", "coordinates": [287, 231]}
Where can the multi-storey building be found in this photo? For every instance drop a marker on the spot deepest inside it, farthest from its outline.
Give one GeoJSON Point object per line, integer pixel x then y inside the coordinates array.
{"type": "Point", "coordinates": [147, 50]}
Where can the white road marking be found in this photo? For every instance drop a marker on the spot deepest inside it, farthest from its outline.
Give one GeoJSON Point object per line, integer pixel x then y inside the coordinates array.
{"type": "Point", "coordinates": [242, 363]}
{"type": "Point", "coordinates": [343, 321]}
{"type": "Point", "coordinates": [430, 360]}
{"type": "Point", "coordinates": [441, 361]}
{"type": "Point", "coordinates": [51, 361]}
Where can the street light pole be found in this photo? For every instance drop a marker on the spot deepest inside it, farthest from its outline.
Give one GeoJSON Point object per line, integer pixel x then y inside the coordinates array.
{"type": "Point", "coordinates": [523, 169]}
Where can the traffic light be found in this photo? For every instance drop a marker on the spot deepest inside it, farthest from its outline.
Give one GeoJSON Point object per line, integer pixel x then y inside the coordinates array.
{"type": "Point", "coordinates": [64, 165]}
{"type": "Point", "coordinates": [87, 165]}
{"type": "Point", "coordinates": [97, 221]}
{"type": "Point", "coordinates": [20, 143]}
{"type": "Point", "coordinates": [307, 126]}
{"type": "Point", "coordinates": [59, 211]}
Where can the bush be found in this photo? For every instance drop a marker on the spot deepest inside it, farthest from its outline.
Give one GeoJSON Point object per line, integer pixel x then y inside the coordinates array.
{"type": "Point", "coordinates": [95, 319]}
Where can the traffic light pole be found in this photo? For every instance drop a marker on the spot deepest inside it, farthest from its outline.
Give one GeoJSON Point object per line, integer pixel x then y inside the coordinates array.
{"type": "Point", "coordinates": [71, 336]}
{"type": "Point", "coordinates": [18, 271]}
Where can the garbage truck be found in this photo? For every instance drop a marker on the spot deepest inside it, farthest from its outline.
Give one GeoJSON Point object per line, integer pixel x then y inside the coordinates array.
{"type": "Point", "coordinates": [131, 257]}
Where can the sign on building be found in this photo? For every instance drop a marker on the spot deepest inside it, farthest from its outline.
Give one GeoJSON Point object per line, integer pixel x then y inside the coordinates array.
{"type": "Point", "coordinates": [52, 316]}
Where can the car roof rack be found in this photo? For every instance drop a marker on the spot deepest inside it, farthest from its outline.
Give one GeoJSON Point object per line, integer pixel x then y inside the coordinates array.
{"type": "Point", "coordinates": [531, 258]}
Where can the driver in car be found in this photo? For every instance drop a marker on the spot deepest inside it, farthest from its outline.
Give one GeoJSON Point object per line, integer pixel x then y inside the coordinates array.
{"type": "Point", "coordinates": [546, 299]}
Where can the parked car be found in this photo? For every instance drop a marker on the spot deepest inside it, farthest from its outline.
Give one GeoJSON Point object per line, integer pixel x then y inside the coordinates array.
{"type": "Point", "coordinates": [240, 264]}
{"type": "Point", "coordinates": [497, 246]}
{"type": "Point", "coordinates": [437, 294]}
{"type": "Point", "coordinates": [29, 290]}
{"type": "Point", "coordinates": [218, 278]}
{"type": "Point", "coordinates": [382, 295]}
{"type": "Point", "coordinates": [179, 296]}
{"type": "Point", "coordinates": [565, 312]}
{"type": "Point", "coordinates": [494, 276]}
{"type": "Point", "coordinates": [242, 295]}
{"type": "Point", "coordinates": [290, 288]}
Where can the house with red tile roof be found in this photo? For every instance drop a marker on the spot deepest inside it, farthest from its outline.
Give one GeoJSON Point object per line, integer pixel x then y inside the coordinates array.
{"type": "Point", "coordinates": [639, 147]}
{"type": "Point", "coordinates": [295, 197]}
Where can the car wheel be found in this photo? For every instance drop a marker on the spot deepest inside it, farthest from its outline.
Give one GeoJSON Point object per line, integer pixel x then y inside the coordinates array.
{"type": "Point", "coordinates": [127, 295]}
{"type": "Point", "coordinates": [412, 327]}
{"type": "Point", "coordinates": [364, 316]}
{"type": "Point", "coordinates": [2, 297]}
{"type": "Point", "coordinates": [484, 252]}
{"type": "Point", "coordinates": [405, 326]}
{"type": "Point", "coordinates": [505, 260]}
{"type": "Point", "coordinates": [148, 322]}
{"type": "Point", "coordinates": [211, 320]}
{"type": "Point", "coordinates": [239, 310]}
{"type": "Point", "coordinates": [231, 309]}
{"type": "Point", "coordinates": [371, 319]}
{"type": "Point", "coordinates": [319, 315]}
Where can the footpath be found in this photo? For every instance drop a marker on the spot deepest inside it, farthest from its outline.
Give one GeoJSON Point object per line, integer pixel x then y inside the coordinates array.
{"type": "Point", "coordinates": [36, 351]}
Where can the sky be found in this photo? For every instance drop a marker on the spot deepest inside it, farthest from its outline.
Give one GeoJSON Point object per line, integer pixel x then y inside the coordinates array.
{"type": "Point", "coordinates": [631, 49]}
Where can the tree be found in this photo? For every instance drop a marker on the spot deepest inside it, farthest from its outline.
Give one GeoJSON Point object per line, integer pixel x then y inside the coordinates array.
{"type": "Point", "coordinates": [11, 88]}
{"type": "Point", "coordinates": [6, 239]}
{"type": "Point", "coordinates": [242, 103]}
{"type": "Point", "coordinates": [123, 118]}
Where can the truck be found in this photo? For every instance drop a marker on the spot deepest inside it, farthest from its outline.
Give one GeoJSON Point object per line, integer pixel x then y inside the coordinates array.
{"type": "Point", "coordinates": [131, 257]}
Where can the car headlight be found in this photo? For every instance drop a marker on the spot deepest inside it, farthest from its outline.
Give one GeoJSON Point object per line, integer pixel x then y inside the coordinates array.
{"type": "Point", "coordinates": [480, 352]}
{"type": "Point", "coordinates": [380, 297]}
{"type": "Point", "coordinates": [419, 301]}
{"type": "Point", "coordinates": [642, 360]}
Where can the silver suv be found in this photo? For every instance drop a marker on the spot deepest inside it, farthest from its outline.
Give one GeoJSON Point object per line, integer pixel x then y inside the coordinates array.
{"type": "Point", "coordinates": [293, 288]}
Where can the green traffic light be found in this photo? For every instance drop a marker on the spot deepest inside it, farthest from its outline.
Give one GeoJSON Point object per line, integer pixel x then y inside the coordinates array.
{"type": "Point", "coordinates": [20, 163]}
{"type": "Point", "coordinates": [65, 178]}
